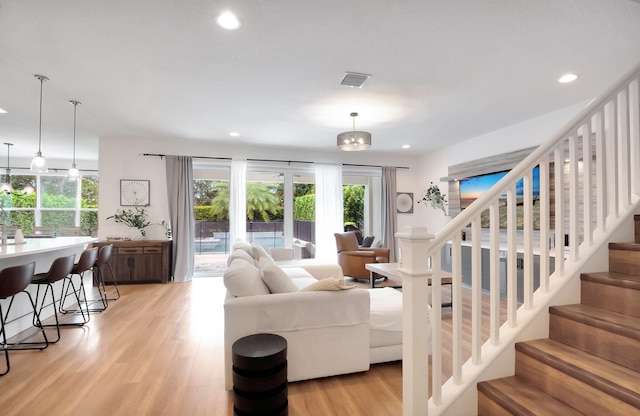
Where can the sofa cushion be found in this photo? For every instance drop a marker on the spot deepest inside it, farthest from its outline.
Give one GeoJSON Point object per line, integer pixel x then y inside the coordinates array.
{"type": "Point", "coordinates": [274, 277]}
{"type": "Point", "coordinates": [329, 284]}
{"type": "Point", "coordinates": [243, 279]}
{"type": "Point", "coordinates": [241, 245]}
{"type": "Point", "coordinates": [258, 251]}
{"type": "Point", "coordinates": [240, 254]}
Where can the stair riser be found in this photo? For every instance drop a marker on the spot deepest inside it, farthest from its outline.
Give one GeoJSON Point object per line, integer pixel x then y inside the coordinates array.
{"type": "Point", "coordinates": [612, 298]}
{"type": "Point", "coordinates": [624, 261]}
{"type": "Point", "coordinates": [577, 394]}
{"type": "Point", "coordinates": [611, 346]}
{"type": "Point", "coordinates": [488, 407]}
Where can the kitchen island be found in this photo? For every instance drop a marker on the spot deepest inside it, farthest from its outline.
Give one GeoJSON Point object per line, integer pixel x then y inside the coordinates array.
{"type": "Point", "coordinates": [43, 251]}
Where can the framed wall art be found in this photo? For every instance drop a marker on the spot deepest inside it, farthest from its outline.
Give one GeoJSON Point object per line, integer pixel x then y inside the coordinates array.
{"type": "Point", "coordinates": [134, 192]}
{"type": "Point", "coordinates": [404, 202]}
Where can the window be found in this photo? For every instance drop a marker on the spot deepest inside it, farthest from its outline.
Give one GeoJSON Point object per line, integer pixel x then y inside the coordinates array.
{"type": "Point", "coordinates": [57, 201]}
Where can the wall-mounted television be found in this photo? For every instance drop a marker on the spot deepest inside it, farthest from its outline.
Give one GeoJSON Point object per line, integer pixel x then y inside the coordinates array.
{"type": "Point", "coordinates": [471, 188]}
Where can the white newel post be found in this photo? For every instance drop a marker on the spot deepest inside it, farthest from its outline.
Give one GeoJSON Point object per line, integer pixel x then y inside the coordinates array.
{"type": "Point", "coordinates": [413, 242]}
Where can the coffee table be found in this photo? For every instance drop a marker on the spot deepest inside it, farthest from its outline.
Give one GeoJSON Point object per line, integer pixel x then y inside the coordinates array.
{"type": "Point", "coordinates": [390, 270]}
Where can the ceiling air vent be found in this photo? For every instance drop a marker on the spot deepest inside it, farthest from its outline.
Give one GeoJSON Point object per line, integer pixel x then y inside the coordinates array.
{"type": "Point", "coordinates": [354, 79]}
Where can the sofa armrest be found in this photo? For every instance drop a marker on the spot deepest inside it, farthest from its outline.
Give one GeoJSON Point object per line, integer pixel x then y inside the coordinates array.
{"type": "Point", "coordinates": [279, 254]}
{"type": "Point", "coordinates": [360, 253]}
{"type": "Point", "coordinates": [317, 269]}
{"type": "Point", "coordinates": [379, 252]}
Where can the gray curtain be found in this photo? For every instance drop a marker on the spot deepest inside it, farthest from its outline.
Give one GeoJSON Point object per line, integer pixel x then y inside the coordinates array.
{"type": "Point", "coordinates": [389, 217]}
{"type": "Point", "coordinates": [180, 198]}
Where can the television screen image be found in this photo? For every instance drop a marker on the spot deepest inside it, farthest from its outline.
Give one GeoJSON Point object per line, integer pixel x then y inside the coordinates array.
{"type": "Point", "coordinates": [471, 189]}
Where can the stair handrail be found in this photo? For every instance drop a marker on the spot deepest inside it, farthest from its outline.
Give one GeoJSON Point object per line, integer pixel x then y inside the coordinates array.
{"type": "Point", "coordinates": [460, 221]}
{"type": "Point", "coordinates": [594, 112]}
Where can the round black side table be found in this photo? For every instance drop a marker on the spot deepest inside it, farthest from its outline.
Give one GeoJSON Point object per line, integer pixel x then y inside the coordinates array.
{"type": "Point", "coordinates": [260, 375]}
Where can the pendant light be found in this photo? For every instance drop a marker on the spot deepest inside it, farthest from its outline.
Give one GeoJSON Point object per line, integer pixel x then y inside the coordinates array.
{"type": "Point", "coordinates": [352, 141]}
{"type": "Point", "coordinates": [73, 171]}
{"type": "Point", "coordinates": [6, 187]}
{"type": "Point", "coordinates": [39, 164]}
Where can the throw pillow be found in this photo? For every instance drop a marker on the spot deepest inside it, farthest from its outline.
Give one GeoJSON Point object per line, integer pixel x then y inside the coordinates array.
{"type": "Point", "coordinates": [258, 251]}
{"type": "Point", "coordinates": [328, 284]}
{"type": "Point", "coordinates": [367, 241]}
{"type": "Point", "coordinates": [243, 279]}
{"type": "Point", "coordinates": [274, 277]}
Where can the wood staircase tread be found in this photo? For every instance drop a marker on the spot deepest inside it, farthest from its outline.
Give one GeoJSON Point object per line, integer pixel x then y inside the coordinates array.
{"type": "Point", "coordinates": [630, 246]}
{"type": "Point", "coordinates": [627, 281]}
{"type": "Point", "coordinates": [522, 399]}
{"type": "Point", "coordinates": [628, 326]}
{"type": "Point", "coordinates": [616, 380]}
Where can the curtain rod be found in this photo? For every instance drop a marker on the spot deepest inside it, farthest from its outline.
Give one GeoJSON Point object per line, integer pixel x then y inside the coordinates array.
{"type": "Point", "coordinates": [273, 160]}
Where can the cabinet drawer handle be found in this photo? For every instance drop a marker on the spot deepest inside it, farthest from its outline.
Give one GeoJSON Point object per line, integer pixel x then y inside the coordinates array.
{"type": "Point", "coordinates": [134, 250]}
{"type": "Point", "coordinates": [153, 250]}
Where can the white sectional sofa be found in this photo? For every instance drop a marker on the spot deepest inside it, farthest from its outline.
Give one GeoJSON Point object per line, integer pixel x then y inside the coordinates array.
{"type": "Point", "coordinates": [328, 332]}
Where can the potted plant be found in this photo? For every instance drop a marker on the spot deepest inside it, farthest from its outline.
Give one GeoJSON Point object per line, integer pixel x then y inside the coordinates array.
{"type": "Point", "coordinates": [133, 218]}
{"type": "Point", "coordinates": [435, 198]}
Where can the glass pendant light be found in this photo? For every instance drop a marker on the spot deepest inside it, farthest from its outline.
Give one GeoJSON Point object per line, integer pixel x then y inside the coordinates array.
{"type": "Point", "coordinates": [73, 171]}
{"type": "Point", "coordinates": [6, 187]}
{"type": "Point", "coordinates": [39, 164]}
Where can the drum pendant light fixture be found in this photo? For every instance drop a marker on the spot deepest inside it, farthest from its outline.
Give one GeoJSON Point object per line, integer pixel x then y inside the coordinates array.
{"type": "Point", "coordinates": [39, 164]}
{"type": "Point", "coordinates": [352, 141]}
{"type": "Point", "coordinates": [73, 171]}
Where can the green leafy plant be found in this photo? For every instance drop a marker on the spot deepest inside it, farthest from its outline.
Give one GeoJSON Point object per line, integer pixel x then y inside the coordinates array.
{"type": "Point", "coordinates": [133, 218]}
{"type": "Point", "coordinates": [167, 229]}
{"type": "Point", "coordinates": [435, 198]}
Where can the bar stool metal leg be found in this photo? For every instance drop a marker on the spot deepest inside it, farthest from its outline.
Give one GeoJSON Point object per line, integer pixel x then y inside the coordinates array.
{"type": "Point", "coordinates": [86, 261]}
{"type": "Point", "coordinates": [14, 280]}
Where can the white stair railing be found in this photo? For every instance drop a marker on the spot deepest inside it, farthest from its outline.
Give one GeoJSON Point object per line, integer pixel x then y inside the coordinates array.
{"type": "Point", "coordinates": [589, 178]}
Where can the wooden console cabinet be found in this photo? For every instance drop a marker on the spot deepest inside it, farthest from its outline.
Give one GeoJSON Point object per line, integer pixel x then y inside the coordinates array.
{"type": "Point", "coordinates": [145, 261]}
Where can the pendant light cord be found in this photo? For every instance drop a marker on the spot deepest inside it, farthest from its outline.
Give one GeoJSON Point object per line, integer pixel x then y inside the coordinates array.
{"type": "Point", "coordinates": [42, 79]}
{"type": "Point", "coordinates": [40, 125]}
{"type": "Point", "coordinates": [75, 108]}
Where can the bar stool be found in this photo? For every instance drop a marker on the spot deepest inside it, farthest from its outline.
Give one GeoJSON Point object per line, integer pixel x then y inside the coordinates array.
{"type": "Point", "coordinates": [86, 261]}
{"type": "Point", "coordinates": [104, 254]}
{"type": "Point", "coordinates": [14, 280]}
{"type": "Point", "coordinates": [59, 270]}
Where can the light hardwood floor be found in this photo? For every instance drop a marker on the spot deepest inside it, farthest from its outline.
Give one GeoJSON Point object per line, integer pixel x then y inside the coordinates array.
{"type": "Point", "coordinates": [159, 351]}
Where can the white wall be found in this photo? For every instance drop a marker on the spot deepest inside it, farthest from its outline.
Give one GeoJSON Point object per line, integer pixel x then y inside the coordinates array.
{"type": "Point", "coordinates": [121, 158]}
{"type": "Point", "coordinates": [435, 165]}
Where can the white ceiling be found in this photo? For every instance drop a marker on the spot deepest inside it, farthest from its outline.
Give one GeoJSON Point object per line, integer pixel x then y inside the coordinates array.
{"type": "Point", "coordinates": [443, 70]}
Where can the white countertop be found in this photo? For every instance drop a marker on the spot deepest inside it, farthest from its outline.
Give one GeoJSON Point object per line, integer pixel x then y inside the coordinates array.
{"type": "Point", "coordinates": [42, 245]}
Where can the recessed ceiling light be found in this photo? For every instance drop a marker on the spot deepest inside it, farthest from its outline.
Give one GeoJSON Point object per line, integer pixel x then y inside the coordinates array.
{"type": "Point", "coordinates": [2, 111]}
{"type": "Point", "coordinates": [228, 21]}
{"type": "Point", "coordinates": [234, 134]}
{"type": "Point", "coordinates": [567, 78]}
{"type": "Point", "coordinates": [406, 146]}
